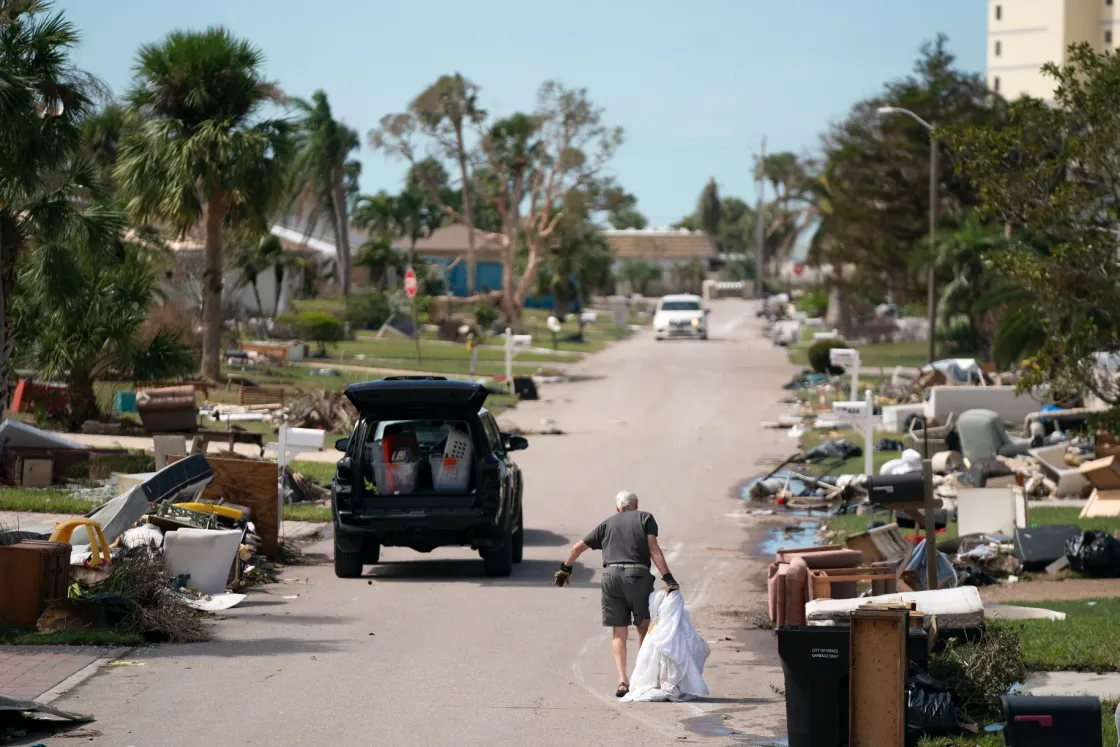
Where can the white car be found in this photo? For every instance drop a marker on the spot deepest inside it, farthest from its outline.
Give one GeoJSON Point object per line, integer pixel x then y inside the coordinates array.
{"type": "Point", "coordinates": [681, 316]}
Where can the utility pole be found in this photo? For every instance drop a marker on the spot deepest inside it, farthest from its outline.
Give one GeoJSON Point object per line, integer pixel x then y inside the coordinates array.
{"type": "Point", "coordinates": [758, 218]}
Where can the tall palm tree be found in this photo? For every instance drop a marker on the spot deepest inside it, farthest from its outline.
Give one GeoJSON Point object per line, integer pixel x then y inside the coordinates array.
{"type": "Point", "coordinates": [47, 190]}
{"type": "Point", "coordinates": [256, 257]}
{"type": "Point", "coordinates": [709, 210]}
{"type": "Point", "coordinates": [417, 216]}
{"type": "Point", "coordinates": [202, 155]}
{"type": "Point", "coordinates": [323, 172]}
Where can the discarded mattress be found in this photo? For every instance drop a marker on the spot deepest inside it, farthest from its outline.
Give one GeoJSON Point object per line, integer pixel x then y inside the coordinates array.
{"type": "Point", "coordinates": [206, 555]}
{"type": "Point", "coordinates": [115, 517]}
{"type": "Point", "coordinates": [670, 663]}
{"type": "Point", "coordinates": [954, 608]}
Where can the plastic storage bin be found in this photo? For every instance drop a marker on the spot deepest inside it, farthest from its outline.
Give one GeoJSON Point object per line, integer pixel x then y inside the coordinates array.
{"type": "Point", "coordinates": [451, 472]}
{"type": "Point", "coordinates": [395, 478]}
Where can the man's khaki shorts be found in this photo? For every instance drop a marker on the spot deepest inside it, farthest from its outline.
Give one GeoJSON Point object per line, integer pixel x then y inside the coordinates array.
{"type": "Point", "coordinates": [626, 591]}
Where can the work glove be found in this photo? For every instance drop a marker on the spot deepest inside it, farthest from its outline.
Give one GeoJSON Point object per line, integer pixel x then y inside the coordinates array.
{"type": "Point", "coordinates": [563, 575]}
{"type": "Point", "coordinates": [671, 584]}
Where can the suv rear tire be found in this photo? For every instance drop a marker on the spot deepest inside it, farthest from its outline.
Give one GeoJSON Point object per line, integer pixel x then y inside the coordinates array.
{"type": "Point", "coordinates": [519, 540]}
{"type": "Point", "coordinates": [499, 561]}
{"type": "Point", "coordinates": [347, 564]}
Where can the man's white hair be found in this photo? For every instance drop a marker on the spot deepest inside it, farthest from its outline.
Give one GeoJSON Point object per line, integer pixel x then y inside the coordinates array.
{"type": "Point", "coordinates": [625, 499]}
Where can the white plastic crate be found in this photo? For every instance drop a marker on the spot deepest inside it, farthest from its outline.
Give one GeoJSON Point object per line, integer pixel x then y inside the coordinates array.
{"type": "Point", "coordinates": [451, 472]}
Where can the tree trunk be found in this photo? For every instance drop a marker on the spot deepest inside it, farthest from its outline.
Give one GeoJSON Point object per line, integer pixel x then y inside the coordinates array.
{"type": "Point", "coordinates": [257, 295]}
{"type": "Point", "coordinates": [213, 217]}
{"type": "Point", "coordinates": [341, 227]}
{"type": "Point", "coordinates": [8, 250]}
{"type": "Point", "coordinates": [838, 315]}
{"type": "Point", "coordinates": [278, 271]}
{"type": "Point", "coordinates": [467, 209]}
{"type": "Point", "coordinates": [83, 398]}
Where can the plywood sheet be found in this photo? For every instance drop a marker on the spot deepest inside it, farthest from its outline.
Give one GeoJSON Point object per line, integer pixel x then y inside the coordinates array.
{"type": "Point", "coordinates": [877, 692]}
{"type": "Point", "coordinates": [249, 483]}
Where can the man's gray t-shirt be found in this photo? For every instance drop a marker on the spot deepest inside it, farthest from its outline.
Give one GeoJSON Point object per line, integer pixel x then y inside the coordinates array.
{"type": "Point", "coordinates": [624, 537]}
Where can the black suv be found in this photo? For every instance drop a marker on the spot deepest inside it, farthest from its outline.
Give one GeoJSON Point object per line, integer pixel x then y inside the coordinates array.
{"type": "Point", "coordinates": [426, 467]}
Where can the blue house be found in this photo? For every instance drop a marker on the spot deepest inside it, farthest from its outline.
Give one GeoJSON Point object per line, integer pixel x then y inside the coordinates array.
{"type": "Point", "coordinates": [447, 248]}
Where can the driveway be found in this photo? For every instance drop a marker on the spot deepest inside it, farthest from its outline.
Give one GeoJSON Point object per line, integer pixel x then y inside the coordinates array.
{"type": "Point", "coordinates": [426, 651]}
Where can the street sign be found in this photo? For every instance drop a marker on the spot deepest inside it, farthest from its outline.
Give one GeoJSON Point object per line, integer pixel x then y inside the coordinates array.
{"type": "Point", "coordinates": [798, 268]}
{"type": "Point", "coordinates": [410, 283]}
{"type": "Point", "coordinates": [850, 412]}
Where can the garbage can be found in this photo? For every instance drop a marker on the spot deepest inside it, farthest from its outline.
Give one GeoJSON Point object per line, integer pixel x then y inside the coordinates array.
{"type": "Point", "coordinates": [816, 662]}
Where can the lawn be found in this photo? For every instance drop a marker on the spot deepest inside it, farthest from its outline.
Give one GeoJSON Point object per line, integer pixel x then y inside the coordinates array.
{"type": "Point", "coordinates": [1085, 641]}
{"type": "Point", "coordinates": [48, 501]}
{"type": "Point", "coordinates": [847, 524]}
{"type": "Point", "coordinates": [434, 350]}
{"type": "Point", "coordinates": [853, 466]}
{"type": "Point", "coordinates": [883, 355]}
{"type": "Point", "coordinates": [302, 512]}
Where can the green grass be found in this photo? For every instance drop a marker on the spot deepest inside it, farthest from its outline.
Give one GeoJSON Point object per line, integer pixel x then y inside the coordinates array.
{"type": "Point", "coordinates": [392, 348]}
{"type": "Point", "coordinates": [848, 524]}
{"type": "Point", "coordinates": [92, 637]}
{"type": "Point", "coordinates": [1086, 641]}
{"type": "Point", "coordinates": [321, 471]}
{"type": "Point", "coordinates": [300, 512]}
{"type": "Point", "coordinates": [47, 501]}
{"type": "Point", "coordinates": [883, 355]}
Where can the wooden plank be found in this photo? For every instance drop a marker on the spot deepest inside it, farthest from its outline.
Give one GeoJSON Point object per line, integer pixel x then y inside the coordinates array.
{"type": "Point", "coordinates": [877, 690]}
{"type": "Point", "coordinates": [250, 483]}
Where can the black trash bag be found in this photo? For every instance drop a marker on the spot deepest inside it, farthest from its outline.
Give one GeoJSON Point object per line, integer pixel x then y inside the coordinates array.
{"type": "Point", "coordinates": [929, 709]}
{"type": "Point", "coordinates": [1094, 553]}
{"type": "Point", "coordinates": [889, 444]}
{"type": "Point", "coordinates": [841, 449]}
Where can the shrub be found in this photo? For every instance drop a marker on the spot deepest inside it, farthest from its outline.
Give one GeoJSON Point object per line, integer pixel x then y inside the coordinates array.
{"type": "Point", "coordinates": [814, 302]}
{"type": "Point", "coordinates": [819, 354]}
{"type": "Point", "coordinates": [978, 673]}
{"type": "Point", "coordinates": [366, 310]}
{"type": "Point", "coordinates": [485, 316]}
{"type": "Point", "coordinates": [319, 327]}
{"type": "Point", "coordinates": [959, 338]}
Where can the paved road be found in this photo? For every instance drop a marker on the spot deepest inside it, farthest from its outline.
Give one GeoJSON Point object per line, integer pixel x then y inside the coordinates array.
{"type": "Point", "coordinates": [425, 651]}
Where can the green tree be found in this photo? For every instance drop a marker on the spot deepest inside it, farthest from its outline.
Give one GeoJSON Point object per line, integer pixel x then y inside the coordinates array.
{"type": "Point", "coordinates": [378, 215]}
{"type": "Point", "coordinates": [378, 256]}
{"type": "Point", "coordinates": [324, 174]}
{"type": "Point", "coordinates": [1050, 170]}
{"type": "Point", "coordinates": [416, 216]}
{"type": "Point", "coordinates": [709, 211]}
{"type": "Point", "coordinates": [78, 311]}
{"type": "Point", "coordinates": [202, 154]}
{"type": "Point", "coordinates": [255, 257]}
{"type": "Point", "coordinates": [620, 206]}
{"type": "Point", "coordinates": [579, 259]}
{"type": "Point", "coordinates": [639, 273]}
{"type": "Point", "coordinates": [48, 191]}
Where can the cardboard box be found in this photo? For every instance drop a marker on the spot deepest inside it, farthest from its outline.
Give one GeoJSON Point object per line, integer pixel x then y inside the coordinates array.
{"type": "Point", "coordinates": [1103, 473]}
{"type": "Point", "coordinates": [37, 473]}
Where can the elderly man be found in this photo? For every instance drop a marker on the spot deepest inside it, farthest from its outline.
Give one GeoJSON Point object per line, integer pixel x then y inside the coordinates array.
{"type": "Point", "coordinates": [629, 542]}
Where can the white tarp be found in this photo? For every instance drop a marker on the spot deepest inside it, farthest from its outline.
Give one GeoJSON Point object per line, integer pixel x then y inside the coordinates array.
{"type": "Point", "coordinates": [959, 370]}
{"type": "Point", "coordinates": [670, 664]}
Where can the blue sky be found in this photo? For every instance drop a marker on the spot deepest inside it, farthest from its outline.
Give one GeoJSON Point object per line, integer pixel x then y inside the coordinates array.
{"type": "Point", "coordinates": [696, 85]}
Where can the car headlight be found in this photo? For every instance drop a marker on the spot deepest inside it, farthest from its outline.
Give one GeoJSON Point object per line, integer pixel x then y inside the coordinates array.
{"type": "Point", "coordinates": [695, 322]}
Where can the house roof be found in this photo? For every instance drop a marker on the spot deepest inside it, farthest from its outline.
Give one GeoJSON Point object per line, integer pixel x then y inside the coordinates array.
{"type": "Point", "coordinates": [450, 241]}
{"type": "Point", "coordinates": [660, 243]}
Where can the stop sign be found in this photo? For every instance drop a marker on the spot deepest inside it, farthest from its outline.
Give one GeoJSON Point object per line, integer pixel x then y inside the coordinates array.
{"type": "Point", "coordinates": [798, 268]}
{"type": "Point", "coordinates": [410, 283]}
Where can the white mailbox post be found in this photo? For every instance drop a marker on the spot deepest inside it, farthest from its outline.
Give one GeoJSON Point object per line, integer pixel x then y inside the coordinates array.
{"type": "Point", "coordinates": [849, 359]}
{"type": "Point", "coordinates": [858, 413]}
{"type": "Point", "coordinates": [514, 341]}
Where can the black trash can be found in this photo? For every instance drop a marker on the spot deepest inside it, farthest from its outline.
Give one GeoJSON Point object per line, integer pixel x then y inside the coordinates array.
{"type": "Point", "coordinates": [1044, 720]}
{"type": "Point", "coordinates": [816, 662]}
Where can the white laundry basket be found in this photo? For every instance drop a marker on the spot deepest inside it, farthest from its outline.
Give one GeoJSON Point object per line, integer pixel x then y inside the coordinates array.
{"type": "Point", "coordinates": [451, 472]}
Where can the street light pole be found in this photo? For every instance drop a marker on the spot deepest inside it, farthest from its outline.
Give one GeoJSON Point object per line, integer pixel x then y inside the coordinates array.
{"type": "Point", "coordinates": [931, 279]}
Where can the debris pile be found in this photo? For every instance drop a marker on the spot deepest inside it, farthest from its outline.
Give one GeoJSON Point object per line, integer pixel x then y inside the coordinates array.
{"type": "Point", "coordinates": [330, 411]}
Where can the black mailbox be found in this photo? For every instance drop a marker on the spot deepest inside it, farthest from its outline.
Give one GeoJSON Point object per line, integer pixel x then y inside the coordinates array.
{"type": "Point", "coordinates": [1040, 721]}
{"type": "Point", "coordinates": [888, 489]}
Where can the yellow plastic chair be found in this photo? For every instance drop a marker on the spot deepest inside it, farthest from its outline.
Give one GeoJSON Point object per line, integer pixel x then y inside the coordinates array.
{"type": "Point", "coordinates": [99, 548]}
{"type": "Point", "coordinates": [212, 508]}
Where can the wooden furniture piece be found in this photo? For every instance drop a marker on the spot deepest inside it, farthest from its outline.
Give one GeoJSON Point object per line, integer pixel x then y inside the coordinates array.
{"type": "Point", "coordinates": [168, 410]}
{"type": "Point", "coordinates": [877, 687]}
{"type": "Point", "coordinates": [32, 575]}
{"type": "Point", "coordinates": [203, 438]}
{"type": "Point", "coordinates": [260, 395]}
{"type": "Point", "coordinates": [253, 484]}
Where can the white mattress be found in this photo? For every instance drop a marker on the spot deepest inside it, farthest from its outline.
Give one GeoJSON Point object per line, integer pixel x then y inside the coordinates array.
{"type": "Point", "coordinates": [953, 608]}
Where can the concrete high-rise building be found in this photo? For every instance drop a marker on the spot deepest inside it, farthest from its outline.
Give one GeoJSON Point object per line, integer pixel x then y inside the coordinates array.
{"type": "Point", "coordinates": [1023, 35]}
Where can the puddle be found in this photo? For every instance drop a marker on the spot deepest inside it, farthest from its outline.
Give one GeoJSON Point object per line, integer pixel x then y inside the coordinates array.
{"type": "Point", "coordinates": [803, 534]}
{"type": "Point", "coordinates": [715, 726]}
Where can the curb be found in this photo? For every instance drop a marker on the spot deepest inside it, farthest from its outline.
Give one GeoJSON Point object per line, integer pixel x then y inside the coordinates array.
{"type": "Point", "coordinates": [76, 679]}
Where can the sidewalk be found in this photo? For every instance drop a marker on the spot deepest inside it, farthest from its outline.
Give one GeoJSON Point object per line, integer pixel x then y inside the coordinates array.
{"type": "Point", "coordinates": [30, 671]}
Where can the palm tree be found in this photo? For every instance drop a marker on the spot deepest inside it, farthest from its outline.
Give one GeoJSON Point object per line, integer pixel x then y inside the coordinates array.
{"type": "Point", "coordinates": [416, 217]}
{"type": "Point", "coordinates": [709, 210]}
{"type": "Point", "coordinates": [257, 257]}
{"type": "Point", "coordinates": [324, 173]}
{"type": "Point", "coordinates": [77, 316]}
{"type": "Point", "coordinates": [45, 185]}
{"type": "Point", "coordinates": [201, 156]}
{"type": "Point", "coordinates": [378, 215]}
{"type": "Point", "coordinates": [378, 256]}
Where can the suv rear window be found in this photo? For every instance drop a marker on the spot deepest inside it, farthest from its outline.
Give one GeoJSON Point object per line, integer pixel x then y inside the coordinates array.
{"type": "Point", "coordinates": [425, 451]}
{"type": "Point", "coordinates": [680, 306]}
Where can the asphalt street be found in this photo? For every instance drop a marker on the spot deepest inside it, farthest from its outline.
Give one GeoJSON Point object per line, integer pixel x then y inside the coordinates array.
{"type": "Point", "coordinates": [426, 651]}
